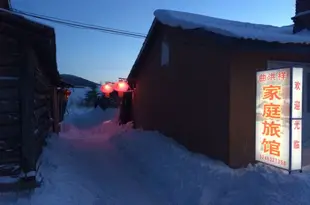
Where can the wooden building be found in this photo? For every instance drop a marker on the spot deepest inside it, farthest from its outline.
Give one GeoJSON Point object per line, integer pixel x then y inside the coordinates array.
{"type": "Point", "coordinates": [195, 78]}
{"type": "Point", "coordinates": [29, 91]}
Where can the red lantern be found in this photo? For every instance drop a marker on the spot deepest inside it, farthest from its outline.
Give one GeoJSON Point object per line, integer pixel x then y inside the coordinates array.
{"type": "Point", "coordinates": [121, 87]}
{"type": "Point", "coordinates": [107, 89]}
{"type": "Point", "coordinates": [67, 93]}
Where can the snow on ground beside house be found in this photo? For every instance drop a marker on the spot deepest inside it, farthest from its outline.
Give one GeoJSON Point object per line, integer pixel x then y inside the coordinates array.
{"type": "Point", "coordinates": [232, 28]}
{"type": "Point", "coordinates": [92, 118]}
{"type": "Point", "coordinates": [100, 163]}
{"type": "Point", "coordinates": [76, 98]}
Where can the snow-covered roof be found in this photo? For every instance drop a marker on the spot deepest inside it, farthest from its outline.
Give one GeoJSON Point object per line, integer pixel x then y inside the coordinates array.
{"type": "Point", "coordinates": [232, 28]}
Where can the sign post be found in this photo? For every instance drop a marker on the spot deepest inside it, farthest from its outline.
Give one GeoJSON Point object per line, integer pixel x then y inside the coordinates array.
{"type": "Point", "coordinates": [279, 118]}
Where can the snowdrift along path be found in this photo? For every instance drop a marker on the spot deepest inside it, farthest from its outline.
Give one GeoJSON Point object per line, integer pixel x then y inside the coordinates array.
{"type": "Point", "coordinates": [96, 162]}
{"type": "Point", "coordinates": [109, 177]}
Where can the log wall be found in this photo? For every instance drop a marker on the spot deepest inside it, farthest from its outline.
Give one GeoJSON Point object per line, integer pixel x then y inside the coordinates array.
{"type": "Point", "coordinates": [26, 107]}
{"type": "Point", "coordinates": [29, 103]}
{"type": "Point", "coordinates": [10, 132]}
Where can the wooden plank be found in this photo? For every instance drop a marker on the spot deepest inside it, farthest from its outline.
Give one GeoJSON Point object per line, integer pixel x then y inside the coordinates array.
{"type": "Point", "coordinates": [43, 117]}
{"type": "Point", "coordinates": [42, 79]}
{"type": "Point", "coordinates": [41, 82]}
{"type": "Point", "coordinates": [7, 41]}
{"type": "Point", "coordinates": [39, 96]}
{"type": "Point", "coordinates": [9, 119]}
{"type": "Point", "coordinates": [9, 106]}
{"type": "Point", "coordinates": [10, 143]}
{"type": "Point", "coordinates": [40, 102]}
{"type": "Point", "coordinates": [9, 94]}
{"type": "Point", "coordinates": [10, 169]}
{"type": "Point", "coordinates": [14, 31]}
{"type": "Point", "coordinates": [10, 52]}
{"type": "Point", "coordinates": [40, 111]}
{"type": "Point", "coordinates": [9, 70]}
{"type": "Point", "coordinates": [13, 60]}
{"type": "Point", "coordinates": [23, 25]}
{"type": "Point", "coordinates": [10, 131]}
{"type": "Point", "coordinates": [42, 128]}
{"type": "Point", "coordinates": [9, 82]}
{"type": "Point", "coordinates": [40, 74]}
{"type": "Point", "coordinates": [55, 110]}
{"type": "Point", "coordinates": [27, 108]}
{"type": "Point", "coordinates": [9, 45]}
{"type": "Point", "coordinates": [7, 157]}
{"type": "Point", "coordinates": [40, 135]}
{"type": "Point", "coordinates": [41, 90]}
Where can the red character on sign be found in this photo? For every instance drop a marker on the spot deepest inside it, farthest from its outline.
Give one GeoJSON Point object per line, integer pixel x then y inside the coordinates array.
{"type": "Point", "coordinates": [266, 146]}
{"type": "Point", "coordinates": [271, 129]}
{"type": "Point", "coordinates": [297, 105]}
{"type": "Point", "coordinates": [261, 78]}
{"type": "Point", "coordinates": [272, 147]}
{"type": "Point", "coordinates": [297, 125]}
{"type": "Point", "coordinates": [296, 144]}
{"type": "Point", "coordinates": [270, 92]}
{"type": "Point", "coordinates": [297, 85]}
{"type": "Point", "coordinates": [282, 75]}
{"type": "Point", "coordinates": [271, 76]}
{"type": "Point", "coordinates": [272, 111]}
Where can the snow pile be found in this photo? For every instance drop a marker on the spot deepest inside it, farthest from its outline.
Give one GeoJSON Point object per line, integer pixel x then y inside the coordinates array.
{"type": "Point", "coordinates": [87, 119]}
{"type": "Point", "coordinates": [232, 28]}
{"type": "Point", "coordinates": [76, 99]}
{"type": "Point", "coordinates": [175, 176]}
{"type": "Point", "coordinates": [186, 178]}
{"type": "Point", "coordinates": [100, 162]}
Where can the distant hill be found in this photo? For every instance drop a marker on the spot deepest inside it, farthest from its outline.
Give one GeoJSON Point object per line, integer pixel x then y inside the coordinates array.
{"type": "Point", "coordinates": [77, 81]}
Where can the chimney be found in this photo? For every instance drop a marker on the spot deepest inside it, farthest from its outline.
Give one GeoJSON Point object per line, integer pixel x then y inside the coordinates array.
{"type": "Point", "coordinates": [302, 16]}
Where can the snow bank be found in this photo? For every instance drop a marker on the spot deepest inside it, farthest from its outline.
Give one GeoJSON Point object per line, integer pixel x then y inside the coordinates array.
{"type": "Point", "coordinates": [104, 163]}
{"type": "Point", "coordinates": [87, 119]}
{"type": "Point", "coordinates": [187, 178]}
{"type": "Point", "coordinates": [180, 177]}
{"type": "Point", "coordinates": [76, 98]}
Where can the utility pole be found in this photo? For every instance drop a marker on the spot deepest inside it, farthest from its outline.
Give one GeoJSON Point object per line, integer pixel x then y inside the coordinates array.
{"type": "Point", "coordinates": [4, 4]}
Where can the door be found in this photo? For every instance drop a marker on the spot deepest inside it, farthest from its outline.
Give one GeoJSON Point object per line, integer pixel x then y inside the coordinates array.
{"type": "Point", "coordinates": [126, 108]}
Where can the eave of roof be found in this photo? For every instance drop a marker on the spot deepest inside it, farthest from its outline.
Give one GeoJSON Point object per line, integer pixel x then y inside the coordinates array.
{"type": "Point", "coordinates": [235, 29]}
{"type": "Point", "coordinates": [45, 46]}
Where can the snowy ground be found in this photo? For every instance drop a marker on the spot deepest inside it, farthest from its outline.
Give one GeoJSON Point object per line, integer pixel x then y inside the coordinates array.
{"type": "Point", "coordinates": [96, 162]}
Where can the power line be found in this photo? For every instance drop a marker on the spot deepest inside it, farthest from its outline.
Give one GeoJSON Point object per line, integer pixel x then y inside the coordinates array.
{"type": "Point", "coordinates": [80, 25]}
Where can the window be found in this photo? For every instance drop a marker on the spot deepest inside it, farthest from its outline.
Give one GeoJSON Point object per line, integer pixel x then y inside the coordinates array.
{"type": "Point", "coordinates": [164, 53]}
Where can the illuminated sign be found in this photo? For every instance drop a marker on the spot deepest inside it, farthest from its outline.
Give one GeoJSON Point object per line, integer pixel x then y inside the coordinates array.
{"type": "Point", "coordinates": [279, 117]}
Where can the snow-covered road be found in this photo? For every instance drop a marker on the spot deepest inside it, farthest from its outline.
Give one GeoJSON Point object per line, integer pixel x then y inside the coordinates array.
{"type": "Point", "coordinates": [94, 161]}
{"type": "Point", "coordinates": [99, 169]}
{"type": "Point", "coordinates": [109, 175]}
{"type": "Point", "coordinates": [82, 166]}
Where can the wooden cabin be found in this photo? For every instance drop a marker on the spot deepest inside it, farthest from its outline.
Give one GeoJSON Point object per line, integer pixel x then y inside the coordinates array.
{"type": "Point", "coordinates": [29, 96]}
{"type": "Point", "coordinates": [195, 78]}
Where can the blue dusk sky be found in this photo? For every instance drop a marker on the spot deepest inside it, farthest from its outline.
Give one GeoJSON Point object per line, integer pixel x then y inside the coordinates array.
{"type": "Point", "coordinates": [103, 57]}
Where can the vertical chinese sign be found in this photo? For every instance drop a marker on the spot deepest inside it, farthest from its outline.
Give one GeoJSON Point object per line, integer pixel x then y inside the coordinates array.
{"type": "Point", "coordinates": [296, 119]}
{"type": "Point", "coordinates": [278, 108]}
